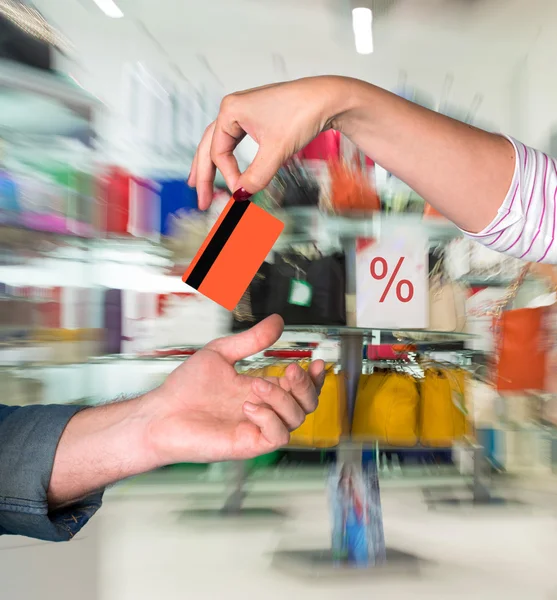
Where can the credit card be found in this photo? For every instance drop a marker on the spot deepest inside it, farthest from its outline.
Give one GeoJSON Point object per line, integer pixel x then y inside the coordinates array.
{"type": "Point", "coordinates": [232, 253]}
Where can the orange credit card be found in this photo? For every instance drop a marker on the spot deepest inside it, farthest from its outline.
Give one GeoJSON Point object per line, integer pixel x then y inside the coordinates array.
{"type": "Point", "coordinates": [232, 253]}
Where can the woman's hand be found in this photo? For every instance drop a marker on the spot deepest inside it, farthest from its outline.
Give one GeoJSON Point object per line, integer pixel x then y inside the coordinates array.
{"type": "Point", "coordinates": [463, 172]}
{"type": "Point", "coordinates": [281, 118]}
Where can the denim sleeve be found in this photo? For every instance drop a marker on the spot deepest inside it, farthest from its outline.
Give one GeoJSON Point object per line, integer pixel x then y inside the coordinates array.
{"type": "Point", "coordinates": [29, 437]}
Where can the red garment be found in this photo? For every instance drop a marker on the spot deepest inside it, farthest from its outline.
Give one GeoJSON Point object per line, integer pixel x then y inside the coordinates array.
{"type": "Point", "coordinates": [117, 200]}
{"type": "Point", "coordinates": [325, 146]}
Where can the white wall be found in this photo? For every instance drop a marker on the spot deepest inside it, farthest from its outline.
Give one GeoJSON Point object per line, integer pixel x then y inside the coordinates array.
{"type": "Point", "coordinates": [482, 43]}
{"type": "Point", "coordinates": [536, 81]}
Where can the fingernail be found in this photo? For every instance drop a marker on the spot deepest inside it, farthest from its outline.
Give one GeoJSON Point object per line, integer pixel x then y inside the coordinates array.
{"type": "Point", "coordinates": [262, 386]}
{"type": "Point", "coordinates": [241, 195]}
{"type": "Point", "coordinates": [249, 407]}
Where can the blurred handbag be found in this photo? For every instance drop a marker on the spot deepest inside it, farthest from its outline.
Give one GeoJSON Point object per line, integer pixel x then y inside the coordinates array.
{"type": "Point", "coordinates": [352, 188]}
{"type": "Point", "coordinates": [457, 258]}
{"type": "Point", "coordinates": [443, 413]}
{"type": "Point", "coordinates": [387, 409]}
{"type": "Point", "coordinates": [447, 304]}
{"type": "Point", "coordinates": [466, 257]}
{"type": "Point", "coordinates": [487, 263]}
{"type": "Point", "coordinates": [10, 207]}
{"type": "Point", "coordinates": [550, 410]}
{"type": "Point", "coordinates": [187, 230]}
{"type": "Point", "coordinates": [484, 403]}
{"type": "Point", "coordinates": [297, 187]}
{"type": "Point", "coordinates": [175, 195]}
{"type": "Point", "coordinates": [521, 408]}
{"type": "Point", "coordinates": [115, 194]}
{"type": "Point", "coordinates": [550, 382]}
{"type": "Point", "coordinates": [548, 273]}
{"type": "Point", "coordinates": [520, 349]}
{"type": "Point", "coordinates": [520, 356]}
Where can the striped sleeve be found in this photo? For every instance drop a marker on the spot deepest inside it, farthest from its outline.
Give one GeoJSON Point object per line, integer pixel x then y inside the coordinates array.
{"type": "Point", "coordinates": [525, 224]}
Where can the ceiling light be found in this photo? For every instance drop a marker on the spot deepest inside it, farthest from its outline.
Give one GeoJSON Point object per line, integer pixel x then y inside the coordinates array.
{"type": "Point", "coordinates": [362, 19]}
{"type": "Point", "coordinates": [109, 8]}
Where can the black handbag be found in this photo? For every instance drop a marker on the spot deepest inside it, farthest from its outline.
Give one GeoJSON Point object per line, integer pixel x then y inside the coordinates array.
{"type": "Point", "coordinates": [271, 292]}
{"type": "Point", "coordinates": [324, 276]}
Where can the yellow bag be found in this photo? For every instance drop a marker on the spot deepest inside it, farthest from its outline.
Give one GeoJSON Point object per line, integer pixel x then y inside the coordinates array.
{"type": "Point", "coordinates": [443, 415]}
{"type": "Point", "coordinates": [324, 427]}
{"type": "Point", "coordinates": [278, 369]}
{"type": "Point", "coordinates": [367, 387]}
{"type": "Point", "coordinates": [329, 423]}
{"type": "Point", "coordinates": [387, 409]}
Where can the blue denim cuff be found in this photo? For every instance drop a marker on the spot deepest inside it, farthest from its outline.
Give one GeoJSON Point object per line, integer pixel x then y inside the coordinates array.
{"type": "Point", "coordinates": [29, 437]}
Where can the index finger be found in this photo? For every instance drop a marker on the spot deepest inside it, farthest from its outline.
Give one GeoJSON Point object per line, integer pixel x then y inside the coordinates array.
{"type": "Point", "coordinates": [226, 137]}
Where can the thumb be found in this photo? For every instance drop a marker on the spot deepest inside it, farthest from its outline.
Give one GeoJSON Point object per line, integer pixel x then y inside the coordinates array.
{"type": "Point", "coordinates": [236, 347]}
{"type": "Point", "coordinates": [261, 170]}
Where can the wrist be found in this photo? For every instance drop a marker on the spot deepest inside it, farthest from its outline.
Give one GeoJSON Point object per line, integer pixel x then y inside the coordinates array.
{"type": "Point", "coordinates": [153, 419]}
{"type": "Point", "coordinates": [350, 105]}
{"type": "Point", "coordinates": [103, 444]}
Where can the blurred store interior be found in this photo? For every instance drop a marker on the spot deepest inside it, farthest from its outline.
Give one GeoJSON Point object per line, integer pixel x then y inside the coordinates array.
{"type": "Point", "coordinates": [98, 224]}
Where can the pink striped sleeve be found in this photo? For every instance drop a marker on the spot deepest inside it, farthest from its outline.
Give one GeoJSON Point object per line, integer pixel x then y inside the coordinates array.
{"type": "Point", "coordinates": [525, 224]}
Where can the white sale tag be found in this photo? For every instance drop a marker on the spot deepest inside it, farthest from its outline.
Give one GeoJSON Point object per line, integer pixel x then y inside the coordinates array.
{"type": "Point", "coordinates": [392, 281]}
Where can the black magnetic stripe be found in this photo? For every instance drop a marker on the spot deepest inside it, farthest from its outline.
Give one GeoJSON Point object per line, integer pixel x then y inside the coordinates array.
{"type": "Point", "coordinates": [217, 243]}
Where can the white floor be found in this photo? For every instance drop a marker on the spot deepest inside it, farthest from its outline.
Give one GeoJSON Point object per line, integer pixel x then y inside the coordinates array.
{"type": "Point", "coordinates": [147, 550]}
{"type": "Point", "coordinates": [140, 547]}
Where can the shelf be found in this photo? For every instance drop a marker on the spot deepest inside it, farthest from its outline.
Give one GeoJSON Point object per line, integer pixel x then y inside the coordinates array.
{"type": "Point", "coordinates": [182, 353]}
{"type": "Point", "coordinates": [494, 281]}
{"type": "Point", "coordinates": [20, 78]}
{"type": "Point", "coordinates": [401, 336]}
{"type": "Point", "coordinates": [369, 444]}
{"type": "Point", "coordinates": [18, 233]}
{"type": "Point", "coordinates": [113, 358]}
{"type": "Point", "coordinates": [311, 222]}
{"type": "Point", "coordinates": [12, 361]}
{"type": "Point", "coordinates": [325, 230]}
{"type": "Point", "coordinates": [14, 232]}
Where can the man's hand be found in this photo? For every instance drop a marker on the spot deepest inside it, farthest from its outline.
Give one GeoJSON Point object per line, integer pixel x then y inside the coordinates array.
{"type": "Point", "coordinates": [206, 412]}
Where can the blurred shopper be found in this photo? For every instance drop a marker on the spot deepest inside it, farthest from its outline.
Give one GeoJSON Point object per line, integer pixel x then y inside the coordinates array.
{"type": "Point", "coordinates": [496, 189]}
{"type": "Point", "coordinates": [56, 460]}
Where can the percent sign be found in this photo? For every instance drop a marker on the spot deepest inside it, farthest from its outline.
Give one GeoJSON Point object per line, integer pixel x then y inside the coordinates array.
{"type": "Point", "coordinates": [379, 269]}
